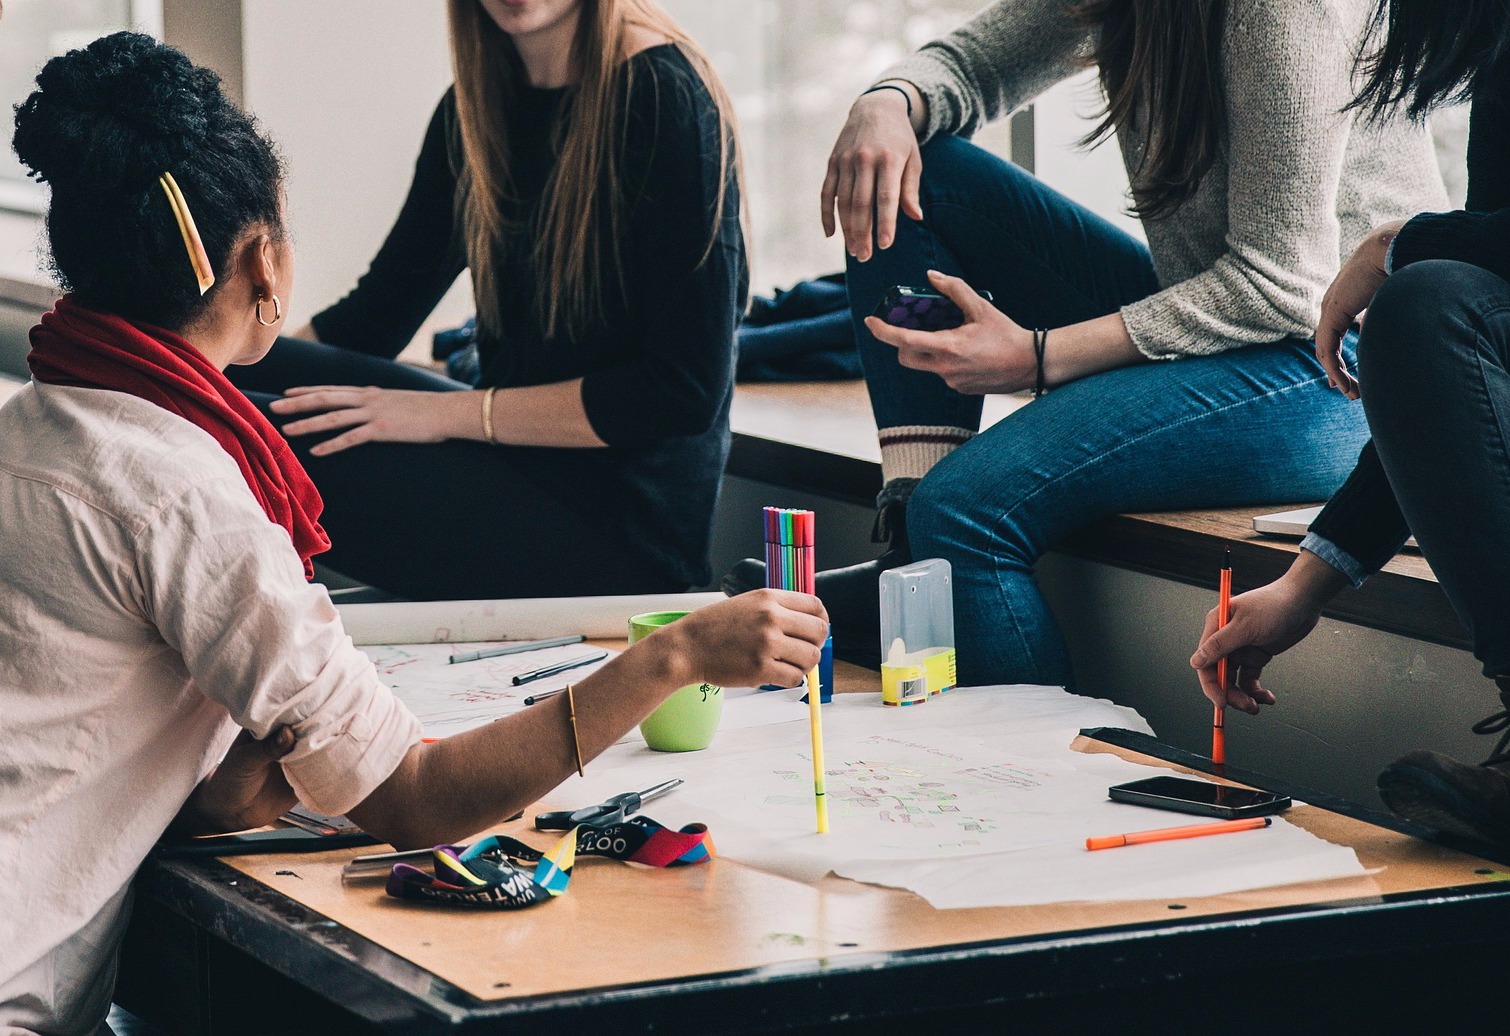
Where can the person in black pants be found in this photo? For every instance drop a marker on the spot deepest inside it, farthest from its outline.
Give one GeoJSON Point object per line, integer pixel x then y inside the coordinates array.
{"type": "Point", "coordinates": [1434, 377]}
{"type": "Point", "coordinates": [583, 170]}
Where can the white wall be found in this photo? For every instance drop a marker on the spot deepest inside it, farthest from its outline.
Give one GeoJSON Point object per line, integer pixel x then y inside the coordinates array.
{"type": "Point", "coordinates": [1094, 178]}
{"type": "Point", "coordinates": [347, 88]}
{"type": "Point", "coordinates": [20, 247]}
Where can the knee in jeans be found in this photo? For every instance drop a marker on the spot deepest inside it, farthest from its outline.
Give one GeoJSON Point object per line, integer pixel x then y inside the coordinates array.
{"type": "Point", "coordinates": [951, 518]}
{"type": "Point", "coordinates": [946, 149]}
{"type": "Point", "coordinates": [956, 165]}
{"type": "Point", "coordinates": [1410, 319]}
{"type": "Point", "coordinates": [940, 520]}
{"type": "Point", "coordinates": [927, 518]}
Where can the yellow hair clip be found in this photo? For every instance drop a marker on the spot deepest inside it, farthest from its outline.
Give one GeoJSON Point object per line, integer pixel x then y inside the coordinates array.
{"type": "Point", "coordinates": [198, 257]}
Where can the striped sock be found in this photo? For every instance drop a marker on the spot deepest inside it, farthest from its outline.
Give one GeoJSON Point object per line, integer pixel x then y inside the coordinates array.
{"type": "Point", "coordinates": [909, 451]}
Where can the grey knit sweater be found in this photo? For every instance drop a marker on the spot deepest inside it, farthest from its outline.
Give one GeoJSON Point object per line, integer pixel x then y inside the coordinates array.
{"type": "Point", "coordinates": [1296, 186]}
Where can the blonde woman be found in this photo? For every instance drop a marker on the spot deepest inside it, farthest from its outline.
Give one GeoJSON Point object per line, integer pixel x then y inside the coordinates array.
{"type": "Point", "coordinates": [583, 170]}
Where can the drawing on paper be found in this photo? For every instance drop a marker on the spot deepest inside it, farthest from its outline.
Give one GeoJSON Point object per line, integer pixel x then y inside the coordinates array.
{"type": "Point", "coordinates": [448, 699]}
{"type": "Point", "coordinates": [887, 792]}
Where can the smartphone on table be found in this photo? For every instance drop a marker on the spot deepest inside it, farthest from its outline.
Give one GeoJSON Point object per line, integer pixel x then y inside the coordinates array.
{"type": "Point", "coordinates": [1200, 798]}
{"type": "Point", "coordinates": [920, 309]}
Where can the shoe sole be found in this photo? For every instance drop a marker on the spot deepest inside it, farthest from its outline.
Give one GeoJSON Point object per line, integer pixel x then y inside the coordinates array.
{"type": "Point", "coordinates": [1425, 798]}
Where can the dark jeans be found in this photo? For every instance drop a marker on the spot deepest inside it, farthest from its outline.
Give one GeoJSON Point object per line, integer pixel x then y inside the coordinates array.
{"type": "Point", "coordinates": [1434, 366]}
{"type": "Point", "coordinates": [437, 521]}
{"type": "Point", "coordinates": [1249, 425]}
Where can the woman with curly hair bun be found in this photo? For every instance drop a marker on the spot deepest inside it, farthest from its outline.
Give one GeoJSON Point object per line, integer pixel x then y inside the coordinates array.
{"type": "Point", "coordinates": [164, 658]}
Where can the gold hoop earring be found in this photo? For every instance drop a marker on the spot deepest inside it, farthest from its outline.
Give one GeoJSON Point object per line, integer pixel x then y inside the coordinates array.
{"type": "Point", "coordinates": [277, 312]}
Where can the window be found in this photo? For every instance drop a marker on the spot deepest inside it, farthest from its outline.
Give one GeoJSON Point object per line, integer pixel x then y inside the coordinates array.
{"type": "Point", "coordinates": [33, 31]}
{"type": "Point", "coordinates": [792, 68]}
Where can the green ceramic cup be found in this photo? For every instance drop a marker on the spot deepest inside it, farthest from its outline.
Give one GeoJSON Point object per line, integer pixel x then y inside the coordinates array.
{"type": "Point", "coordinates": [686, 721]}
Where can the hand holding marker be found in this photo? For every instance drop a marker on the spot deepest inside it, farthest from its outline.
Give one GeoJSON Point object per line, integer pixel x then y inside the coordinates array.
{"type": "Point", "coordinates": [1223, 613]}
{"type": "Point", "coordinates": [791, 565]}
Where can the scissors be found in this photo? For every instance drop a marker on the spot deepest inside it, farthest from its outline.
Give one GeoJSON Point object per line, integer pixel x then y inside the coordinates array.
{"type": "Point", "coordinates": [609, 811]}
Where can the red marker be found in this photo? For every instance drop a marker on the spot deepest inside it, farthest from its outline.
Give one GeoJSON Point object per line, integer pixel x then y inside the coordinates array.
{"type": "Point", "coordinates": [1170, 833]}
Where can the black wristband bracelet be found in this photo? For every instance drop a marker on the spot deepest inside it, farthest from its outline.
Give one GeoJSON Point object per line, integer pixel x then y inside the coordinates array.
{"type": "Point", "coordinates": [892, 86]}
{"type": "Point", "coordinates": [1040, 343]}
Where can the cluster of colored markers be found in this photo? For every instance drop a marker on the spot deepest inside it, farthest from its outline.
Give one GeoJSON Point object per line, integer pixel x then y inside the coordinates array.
{"type": "Point", "coordinates": [790, 565]}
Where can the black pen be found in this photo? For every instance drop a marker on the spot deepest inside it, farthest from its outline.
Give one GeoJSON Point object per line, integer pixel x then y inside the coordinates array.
{"type": "Point", "coordinates": [559, 667]}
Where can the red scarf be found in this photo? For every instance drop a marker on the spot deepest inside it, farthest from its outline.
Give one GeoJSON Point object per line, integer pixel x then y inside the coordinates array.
{"type": "Point", "coordinates": [79, 347]}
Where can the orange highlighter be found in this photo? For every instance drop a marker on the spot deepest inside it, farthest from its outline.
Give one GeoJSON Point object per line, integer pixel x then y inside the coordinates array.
{"type": "Point", "coordinates": [1170, 833]}
{"type": "Point", "coordinates": [1223, 612]}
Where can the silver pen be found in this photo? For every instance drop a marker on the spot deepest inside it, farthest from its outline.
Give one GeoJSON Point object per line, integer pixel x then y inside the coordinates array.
{"type": "Point", "coordinates": [516, 648]}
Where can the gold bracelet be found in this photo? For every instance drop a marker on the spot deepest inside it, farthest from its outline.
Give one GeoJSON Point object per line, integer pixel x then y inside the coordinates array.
{"type": "Point", "coordinates": [487, 415]}
{"type": "Point", "coordinates": [576, 743]}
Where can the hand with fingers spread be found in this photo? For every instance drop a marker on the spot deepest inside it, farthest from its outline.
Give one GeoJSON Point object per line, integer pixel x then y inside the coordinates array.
{"type": "Point", "coordinates": [874, 169]}
{"type": "Point", "coordinates": [1347, 299]}
{"type": "Point", "coordinates": [989, 352]}
{"type": "Point", "coordinates": [1263, 623]}
{"type": "Point", "coordinates": [367, 414]}
{"type": "Point", "coordinates": [247, 789]}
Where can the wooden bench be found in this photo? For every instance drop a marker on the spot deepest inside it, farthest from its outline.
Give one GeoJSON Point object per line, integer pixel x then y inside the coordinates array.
{"type": "Point", "coordinates": [820, 438]}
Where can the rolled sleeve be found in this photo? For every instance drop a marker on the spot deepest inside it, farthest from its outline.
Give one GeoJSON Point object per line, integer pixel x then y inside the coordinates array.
{"type": "Point", "coordinates": [1361, 527]}
{"type": "Point", "coordinates": [1335, 556]}
{"type": "Point", "coordinates": [269, 646]}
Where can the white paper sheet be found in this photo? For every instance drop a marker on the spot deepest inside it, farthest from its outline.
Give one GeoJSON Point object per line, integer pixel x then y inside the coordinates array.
{"type": "Point", "coordinates": [449, 699]}
{"type": "Point", "coordinates": [429, 622]}
{"type": "Point", "coordinates": [974, 799]}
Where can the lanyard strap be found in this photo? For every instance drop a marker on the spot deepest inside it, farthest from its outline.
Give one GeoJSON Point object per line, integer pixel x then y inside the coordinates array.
{"type": "Point", "coordinates": [506, 874]}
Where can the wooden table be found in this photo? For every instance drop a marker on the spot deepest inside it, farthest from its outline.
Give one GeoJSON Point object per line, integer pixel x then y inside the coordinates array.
{"type": "Point", "coordinates": [275, 944]}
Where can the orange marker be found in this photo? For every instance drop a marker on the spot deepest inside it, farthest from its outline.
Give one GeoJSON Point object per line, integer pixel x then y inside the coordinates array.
{"type": "Point", "coordinates": [1167, 834]}
{"type": "Point", "coordinates": [1223, 611]}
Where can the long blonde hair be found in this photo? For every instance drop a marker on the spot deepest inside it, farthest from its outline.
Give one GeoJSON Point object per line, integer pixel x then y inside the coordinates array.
{"type": "Point", "coordinates": [584, 207]}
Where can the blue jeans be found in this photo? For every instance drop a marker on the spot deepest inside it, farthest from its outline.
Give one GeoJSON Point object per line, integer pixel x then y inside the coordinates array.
{"type": "Point", "coordinates": [1253, 425]}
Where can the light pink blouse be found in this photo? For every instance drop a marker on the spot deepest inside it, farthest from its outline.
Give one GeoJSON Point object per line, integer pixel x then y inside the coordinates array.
{"type": "Point", "coordinates": [148, 609]}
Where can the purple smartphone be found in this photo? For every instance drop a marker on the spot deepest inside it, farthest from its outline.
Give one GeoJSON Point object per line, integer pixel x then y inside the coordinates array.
{"type": "Point", "coordinates": [920, 310]}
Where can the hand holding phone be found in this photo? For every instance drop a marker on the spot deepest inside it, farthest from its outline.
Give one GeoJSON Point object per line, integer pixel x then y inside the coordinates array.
{"type": "Point", "coordinates": [920, 309]}
{"type": "Point", "coordinates": [1198, 797]}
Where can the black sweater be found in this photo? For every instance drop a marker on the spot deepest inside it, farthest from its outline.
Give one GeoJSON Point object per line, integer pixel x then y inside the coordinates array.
{"type": "Point", "coordinates": [658, 373]}
{"type": "Point", "coordinates": [1363, 519]}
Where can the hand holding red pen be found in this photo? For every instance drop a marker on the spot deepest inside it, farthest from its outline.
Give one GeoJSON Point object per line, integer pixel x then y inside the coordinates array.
{"type": "Point", "coordinates": [1263, 623]}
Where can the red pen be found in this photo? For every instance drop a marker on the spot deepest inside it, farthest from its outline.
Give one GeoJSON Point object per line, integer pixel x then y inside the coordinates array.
{"type": "Point", "coordinates": [1223, 611]}
{"type": "Point", "coordinates": [1169, 834]}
